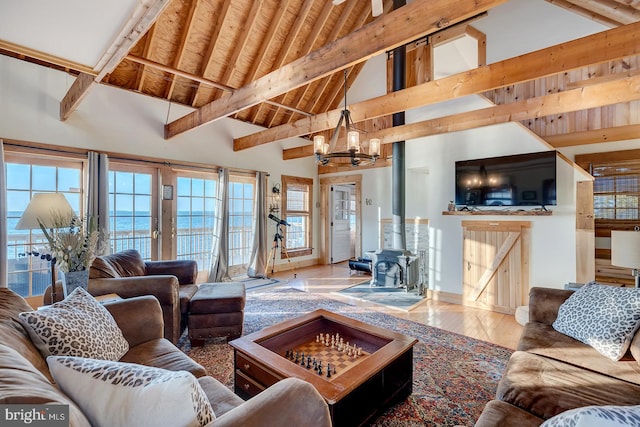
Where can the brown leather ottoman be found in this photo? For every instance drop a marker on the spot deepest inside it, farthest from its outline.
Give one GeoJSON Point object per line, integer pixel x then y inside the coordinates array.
{"type": "Point", "coordinates": [216, 310]}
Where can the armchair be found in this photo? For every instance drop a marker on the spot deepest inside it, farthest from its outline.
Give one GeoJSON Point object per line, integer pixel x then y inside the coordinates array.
{"type": "Point", "coordinates": [128, 275]}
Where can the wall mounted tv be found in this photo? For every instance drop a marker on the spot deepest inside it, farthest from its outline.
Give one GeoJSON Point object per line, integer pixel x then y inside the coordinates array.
{"type": "Point", "coordinates": [517, 180]}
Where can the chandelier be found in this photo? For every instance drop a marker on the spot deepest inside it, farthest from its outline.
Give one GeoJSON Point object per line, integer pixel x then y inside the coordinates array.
{"type": "Point", "coordinates": [326, 154]}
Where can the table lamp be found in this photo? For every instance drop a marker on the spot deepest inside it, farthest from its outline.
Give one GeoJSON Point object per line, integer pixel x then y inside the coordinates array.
{"type": "Point", "coordinates": [625, 251]}
{"type": "Point", "coordinates": [50, 210]}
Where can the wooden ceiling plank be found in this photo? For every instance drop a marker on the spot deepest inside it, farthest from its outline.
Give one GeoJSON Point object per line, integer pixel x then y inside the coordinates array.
{"type": "Point", "coordinates": [597, 48]}
{"type": "Point", "coordinates": [565, 4]}
{"type": "Point", "coordinates": [311, 40]}
{"type": "Point", "coordinates": [285, 49]}
{"type": "Point", "coordinates": [595, 136]}
{"type": "Point", "coordinates": [208, 56]}
{"type": "Point", "coordinates": [139, 23]}
{"type": "Point", "coordinates": [387, 32]}
{"type": "Point", "coordinates": [184, 36]}
{"type": "Point", "coordinates": [333, 97]}
{"type": "Point", "coordinates": [623, 90]}
{"type": "Point", "coordinates": [239, 46]}
{"type": "Point", "coordinates": [266, 45]}
{"type": "Point", "coordinates": [141, 74]}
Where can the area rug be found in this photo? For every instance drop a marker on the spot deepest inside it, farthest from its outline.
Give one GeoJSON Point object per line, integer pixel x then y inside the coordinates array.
{"type": "Point", "coordinates": [454, 376]}
{"type": "Point", "coordinates": [392, 297]}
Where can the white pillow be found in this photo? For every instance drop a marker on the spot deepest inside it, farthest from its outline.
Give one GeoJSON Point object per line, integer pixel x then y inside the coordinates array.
{"type": "Point", "coordinates": [76, 326]}
{"type": "Point", "coordinates": [114, 394]}
{"type": "Point", "coordinates": [604, 317]}
{"type": "Point", "coordinates": [596, 416]}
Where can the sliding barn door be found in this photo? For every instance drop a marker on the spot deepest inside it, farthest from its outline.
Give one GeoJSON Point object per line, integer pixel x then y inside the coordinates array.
{"type": "Point", "coordinates": [496, 264]}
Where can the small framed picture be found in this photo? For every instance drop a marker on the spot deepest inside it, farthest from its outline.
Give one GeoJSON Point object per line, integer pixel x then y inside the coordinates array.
{"type": "Point", "coordinates": [167, 192]}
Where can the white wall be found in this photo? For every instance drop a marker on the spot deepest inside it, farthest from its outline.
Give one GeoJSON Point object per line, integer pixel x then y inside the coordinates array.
{"type": "Point", "coordinates": [120, 121]}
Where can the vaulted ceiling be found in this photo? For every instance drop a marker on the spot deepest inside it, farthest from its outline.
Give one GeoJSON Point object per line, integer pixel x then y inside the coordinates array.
{"type": "Point", "coordinates": [279, 63]}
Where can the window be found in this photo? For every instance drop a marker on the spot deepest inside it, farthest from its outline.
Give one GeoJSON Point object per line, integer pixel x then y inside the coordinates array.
{"type": "Point", "coordinates": [133, 210]}
{"type": "Point", "coordinates": [616, 190]}
{"type": "Point", "coordinates": [26, 175]}
{"type": "Point", "coordinates": [241, 195]}
{"type": "Point", "coordinates": [195, 217]}
{"type": "Point", "coordinates": [297, 202]}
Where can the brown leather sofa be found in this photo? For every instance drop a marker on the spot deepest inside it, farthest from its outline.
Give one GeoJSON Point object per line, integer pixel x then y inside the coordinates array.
{"type": "Point", "coordinates": [551, 372]}
{"type": "Point", "coordinates": [128, 275]}
{"type": "Point", "coordinates": [25, 377]}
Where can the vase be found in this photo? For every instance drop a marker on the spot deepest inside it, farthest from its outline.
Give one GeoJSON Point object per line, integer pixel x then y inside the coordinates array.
{"type": "Point", "coordinates": [74, 279]}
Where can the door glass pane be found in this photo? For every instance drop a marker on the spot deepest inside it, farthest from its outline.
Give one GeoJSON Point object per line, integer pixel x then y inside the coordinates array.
{"type": "Point", "coordinates": [195, 219]}
{"type": "Point", "coordinates": [131, 211]}
{"type": "Point", "coordinates": [240, 224]}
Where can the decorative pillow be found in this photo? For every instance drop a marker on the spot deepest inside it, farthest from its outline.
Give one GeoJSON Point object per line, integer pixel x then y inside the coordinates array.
{"type": "Point", "coordinates": [604, 317]}
{"type": "Point", "coordinates": [117, 394]}
{"type": "Point", "coordinates": [76, 326]}
{"type": "Point", "coordinates": [596, 416]}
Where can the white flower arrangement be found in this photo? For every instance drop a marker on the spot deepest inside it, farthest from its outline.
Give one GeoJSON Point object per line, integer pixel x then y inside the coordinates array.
{"type": "Point", "coordinates": [73, 245]}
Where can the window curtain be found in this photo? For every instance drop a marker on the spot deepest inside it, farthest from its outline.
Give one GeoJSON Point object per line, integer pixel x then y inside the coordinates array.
{"type": "Point", "coordinates": [3, 213]}
{"type": "Point", "coordinates": [219, 271]}
{"type": "Point", "coordinates": [98, 198]}
{"type": "Point", "coordinates": [259, 251]}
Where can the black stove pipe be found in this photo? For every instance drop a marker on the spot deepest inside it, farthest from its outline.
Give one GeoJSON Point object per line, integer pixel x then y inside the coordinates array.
{"type": "Point", "coordinates": [398, 165]}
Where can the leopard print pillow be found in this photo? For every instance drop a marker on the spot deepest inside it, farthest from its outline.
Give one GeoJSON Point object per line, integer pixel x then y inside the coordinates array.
{"type": "Point", "coordinates": [118, 394]}
{"type": "Point", "coordinates": [597, 416]}
{"type": "Point", "coordinates": [76, 326]}
{"type": "Point", "coordinates": [604, 317]}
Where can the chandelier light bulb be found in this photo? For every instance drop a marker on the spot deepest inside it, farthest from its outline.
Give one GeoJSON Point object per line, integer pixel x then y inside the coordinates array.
{"type": "Point", "coordinates": [353, 140]}
{"type": "Point", "coordinates": [319, 144]}
{"type": "Point", "coordinates": [374, 147]}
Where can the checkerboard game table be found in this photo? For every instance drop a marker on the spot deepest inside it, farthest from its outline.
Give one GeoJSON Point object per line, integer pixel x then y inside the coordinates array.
{"type": "Point", "coordinates": [359, 369]}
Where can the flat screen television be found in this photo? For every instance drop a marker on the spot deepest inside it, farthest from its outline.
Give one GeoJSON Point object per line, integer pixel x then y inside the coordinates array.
{"type": "Point", "coordinates": [517, 180]}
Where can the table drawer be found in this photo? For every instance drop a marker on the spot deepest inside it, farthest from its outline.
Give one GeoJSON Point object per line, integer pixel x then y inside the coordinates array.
{"type": "Point", "coordinates": [246, 387]}
{"type": "Point", "coordinates": [256, 371]}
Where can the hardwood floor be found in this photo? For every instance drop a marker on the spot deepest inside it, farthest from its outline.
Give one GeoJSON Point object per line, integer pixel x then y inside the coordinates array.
{"type": "Point", "coordinates": [497, 328]}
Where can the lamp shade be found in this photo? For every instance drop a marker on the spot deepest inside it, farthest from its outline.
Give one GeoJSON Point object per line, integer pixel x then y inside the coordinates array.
{"type": "Point", "coordinates": [51, 209]}
{"type": "Point", "coordinates": [625, 249]}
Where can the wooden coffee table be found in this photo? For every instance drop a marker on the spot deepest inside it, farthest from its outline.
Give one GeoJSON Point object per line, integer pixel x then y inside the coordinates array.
{"type": "Point", "coordinates": [377, 373]}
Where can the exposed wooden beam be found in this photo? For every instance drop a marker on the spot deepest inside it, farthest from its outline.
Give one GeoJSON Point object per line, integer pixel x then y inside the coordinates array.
{"type": "Point", "coordinates": [387, 32]}
{"type": "Point", "coordinates": [45, 57]}
{"type": "Point", "coordinates": [76, 93]}
{"type": "Point", "coordinates": [184, 36]}
{"type": "Point", "coordinates": [138, 24]}
{"type": "Point", "coordinates": [202, 80]}
{"type": "Point", "coordinates": [624, 90]}
{"type": "Point", "coordinates": [565, 4]}
{"type": "Point", "coordinates": [601, 47]}
{"type": "Point", "coordinates": [622, 13]}
{"type": "Point", "coordinates": [595, 136]}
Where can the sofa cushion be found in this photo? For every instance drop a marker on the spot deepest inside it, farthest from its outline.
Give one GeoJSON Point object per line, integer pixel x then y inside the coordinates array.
{"type": "Point", "coordinates": [597, 416]}
{"type": "Point", "coordinates": [160, 353]}
{"type": "Point", "coordinates": [127, 263]}
{"type": "Point", "coordinates": [124, 394]}
{"type": "Point", "coordinates": [503, 414]}
{"type": "Point", "coordinates": [543, 340]}
{"type": "Point", "coordinates": [76, 326]}
{"type": "Point", "coordinates": [605, 317]}
{"type": "Point", "coordinates": [546, 387]}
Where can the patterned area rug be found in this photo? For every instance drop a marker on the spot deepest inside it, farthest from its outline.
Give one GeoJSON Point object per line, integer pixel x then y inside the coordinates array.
{"type": "Point", "coordinates": [392, 297]}
{"type": "Point", "coordinates": [454, 376]}
{"type": "Point", "coordinates": [251, 283]}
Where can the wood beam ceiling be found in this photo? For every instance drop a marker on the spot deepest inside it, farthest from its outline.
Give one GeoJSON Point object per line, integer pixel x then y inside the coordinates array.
{"type": "Point", "coordinates": [601, 47]}
{"type": "Point", "coordinates": [394, 29]}
{"type": "Point", "coordinates": [139, 23]}
{"type": "Point", "coordinates": [612, 13]}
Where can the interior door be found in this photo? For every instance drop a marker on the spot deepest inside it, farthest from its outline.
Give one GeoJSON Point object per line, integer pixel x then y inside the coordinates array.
{"type": "Point", "coordinates": [343, 215]}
